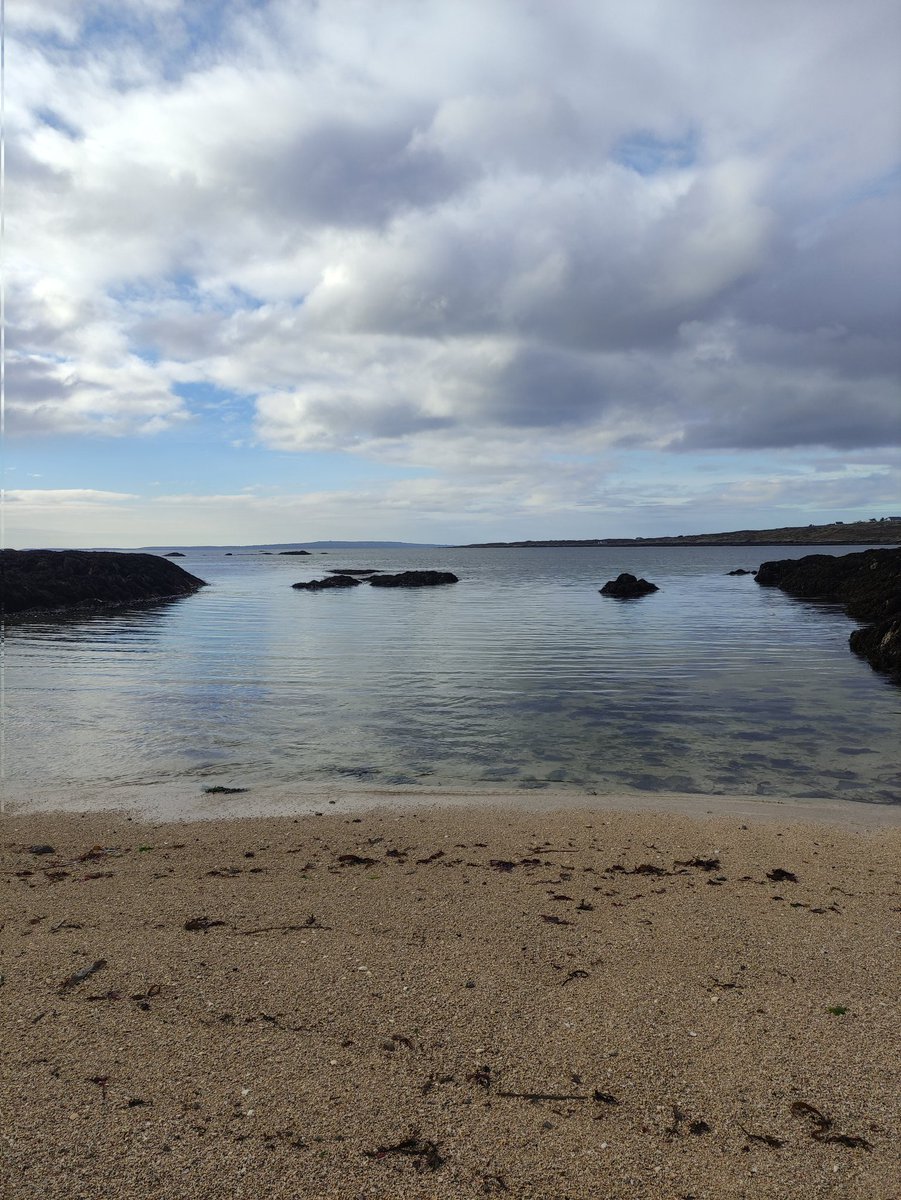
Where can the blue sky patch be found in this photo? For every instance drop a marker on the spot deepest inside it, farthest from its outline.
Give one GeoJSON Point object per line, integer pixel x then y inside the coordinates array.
{"type": "Point", "coordinates": [648, 154]}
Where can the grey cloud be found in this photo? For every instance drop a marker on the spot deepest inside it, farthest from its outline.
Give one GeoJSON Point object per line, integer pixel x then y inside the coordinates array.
{"type": "Point", "coordinates": [45, 397]}
{"type": "Point", "coordinates": [448, 241]}
{"type": "Point", "coordinates": [842, 270]}
{"type": "Point", "coordinates": [782, 416]}
{"type": "Point", "coordinates": [351, 173]}
{"type": "Point", "coordinates": [598, 262]}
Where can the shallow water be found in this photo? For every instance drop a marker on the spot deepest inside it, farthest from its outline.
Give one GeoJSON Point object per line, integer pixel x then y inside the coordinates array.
{"type": "Point", "coordinates": [521, 675]}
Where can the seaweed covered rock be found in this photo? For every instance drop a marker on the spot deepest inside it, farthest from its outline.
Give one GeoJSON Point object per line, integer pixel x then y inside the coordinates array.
{"type": "Point", "coordinates": [867, 585]}
{"type": "Point", "coordinates": [626, 587]}
{"type": "Point", "coordinates": [44, 580]}
{"type": "Point", "coordinates": [414, 579]}
{"type": "Point", "coordinates": [320, 585]}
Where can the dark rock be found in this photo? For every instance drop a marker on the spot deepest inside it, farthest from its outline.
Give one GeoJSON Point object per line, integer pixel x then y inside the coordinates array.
{"type": "Point", "coordinates": [293, 552]}
{"type": "Point", "coordinates": [866, 584]}
{"type": "Point", "coordinates": [174, 554]}
{"type": "Point", "coordinates": [414, 579]}
{"type": "Point", "coordinates": [44, 580]}
{"type": "Point", "coordinates": [354, 571]}
{"type": "Point", "coordinates": [626, 586]}
{"type": "Point", "coordinates": [740, 571]}
{"type": "Point", "coordinates": [880, 645]}
{"type": "Point", "coordinates": [319, 585]}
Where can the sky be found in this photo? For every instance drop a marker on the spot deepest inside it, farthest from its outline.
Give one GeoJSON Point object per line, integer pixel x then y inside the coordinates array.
{"type": "Point", "coordinates": [449, 270]}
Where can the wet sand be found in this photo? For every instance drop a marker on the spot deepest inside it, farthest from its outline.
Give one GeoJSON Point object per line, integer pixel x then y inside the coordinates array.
{"type": "Point", "coordinates": [454, 1001]}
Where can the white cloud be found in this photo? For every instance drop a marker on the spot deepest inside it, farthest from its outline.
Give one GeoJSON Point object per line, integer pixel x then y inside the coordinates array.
{"type": "Point", "coordinates": [38, 498]}
{"type": "Point", "coordinates": [459, 234]}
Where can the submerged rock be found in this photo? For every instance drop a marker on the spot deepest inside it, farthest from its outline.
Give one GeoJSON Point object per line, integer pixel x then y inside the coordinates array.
{"type": "Point", "coordinates": [867, 585]}
{"type": "Point", "coordinates": [44, 580]}
{"type": "Point", "coordinates": [626, 586]}
{"type": "Point", "coordinates": [319, 585]}
{"type": "Point", "coordinates": [414, 579]}
{"type": "Point", "coordinates": [292, 552]}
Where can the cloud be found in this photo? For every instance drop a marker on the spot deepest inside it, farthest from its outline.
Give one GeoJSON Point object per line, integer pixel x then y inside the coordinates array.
{"type": "Point", "coordinates": [35, 498]}
{"type": "Point", "coordinates": [436, 232]}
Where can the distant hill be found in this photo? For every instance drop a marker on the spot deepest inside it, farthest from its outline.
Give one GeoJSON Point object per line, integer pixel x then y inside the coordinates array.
{"type": "Point", "coordinates": [311, 546]}
{"type": "Point", "coordinates": [360, 545]}
{"type": "Point", "coordinates": [884, 531]}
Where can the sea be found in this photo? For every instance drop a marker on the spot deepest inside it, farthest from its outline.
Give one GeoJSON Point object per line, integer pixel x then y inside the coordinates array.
{"type": "Point", "coordinates": [521, 676]}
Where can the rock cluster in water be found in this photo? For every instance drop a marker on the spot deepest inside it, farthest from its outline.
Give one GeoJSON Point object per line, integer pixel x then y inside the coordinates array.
{"type": "Point", "coordinates": [866, 584]}
{"type": "Point", "coordinates": [626, 586]}
{"type": "Point", "coordinates": [333, 581]}
{"type": "Point", "coordinates": [414, 579]}
{"type": "Point", "coordinates": [42, 580]}
{"type": "Point", "coordinates": [378, 579]}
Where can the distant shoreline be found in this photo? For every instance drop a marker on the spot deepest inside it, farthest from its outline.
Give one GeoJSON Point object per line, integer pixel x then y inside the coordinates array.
{"type": "Point", "coordinates": [614, 543]}
{"type": "Point", "coordinates": [884, 531]}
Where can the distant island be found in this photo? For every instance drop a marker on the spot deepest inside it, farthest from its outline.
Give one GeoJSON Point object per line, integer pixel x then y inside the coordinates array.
{"type": "Point", "coordinates": [881, 531]}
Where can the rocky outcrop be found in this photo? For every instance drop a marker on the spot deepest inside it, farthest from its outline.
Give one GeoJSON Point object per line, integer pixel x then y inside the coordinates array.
{"type": "Point", "coordinates": [866, 584]}
{"type": "Point", "coordinates": [414, 579]}
{"type": "Point", "coordinates": [741, 571]}
{"type": "Point", "coordinates": [46, 580]}
{"type": "Point", "coordinates": [880, 645]}
{"type": "Point", "coordinates": [627, 587]}
{"type": "Point", "coordinates": [320, 585]}
{"type": "Point", "coordinates": [291, 552]}
{"type": "Point", "coordinates": [174, 554]}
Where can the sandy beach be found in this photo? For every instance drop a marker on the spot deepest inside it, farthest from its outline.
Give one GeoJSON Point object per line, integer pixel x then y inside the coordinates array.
{"type": "Point", "coordinates": [454, 1001]}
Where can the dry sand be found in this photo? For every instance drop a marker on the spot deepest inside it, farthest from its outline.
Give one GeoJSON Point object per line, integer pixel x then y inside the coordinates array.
{"type": "Point", "coordinates": [456, 1002]}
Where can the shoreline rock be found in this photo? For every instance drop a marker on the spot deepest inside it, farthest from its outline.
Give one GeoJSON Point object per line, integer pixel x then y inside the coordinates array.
{"type": "Point", "coordinates": [866, 584]}
{"type": "Point", "coordinates": [46, 581]}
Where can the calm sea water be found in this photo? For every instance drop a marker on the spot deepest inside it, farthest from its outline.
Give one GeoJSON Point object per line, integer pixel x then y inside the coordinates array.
{"type": "Point", "coordinates": [521, 675]}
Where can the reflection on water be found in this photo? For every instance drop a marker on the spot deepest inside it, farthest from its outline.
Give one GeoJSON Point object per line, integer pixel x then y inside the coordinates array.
{"type": "Point", "coordinates": [521, 674]}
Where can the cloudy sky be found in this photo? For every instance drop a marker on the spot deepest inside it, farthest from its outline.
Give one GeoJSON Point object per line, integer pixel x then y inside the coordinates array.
{"type": "Point", "coordinates": [446, 270]}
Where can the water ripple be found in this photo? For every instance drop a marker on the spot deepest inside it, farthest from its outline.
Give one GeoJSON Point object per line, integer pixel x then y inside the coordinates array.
{"type": "Point", "coordinates": [520, 673]}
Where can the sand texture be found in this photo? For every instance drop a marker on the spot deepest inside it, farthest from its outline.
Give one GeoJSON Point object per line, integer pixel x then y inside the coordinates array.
{"type": "Point", "coordinates": [449, 1003]}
